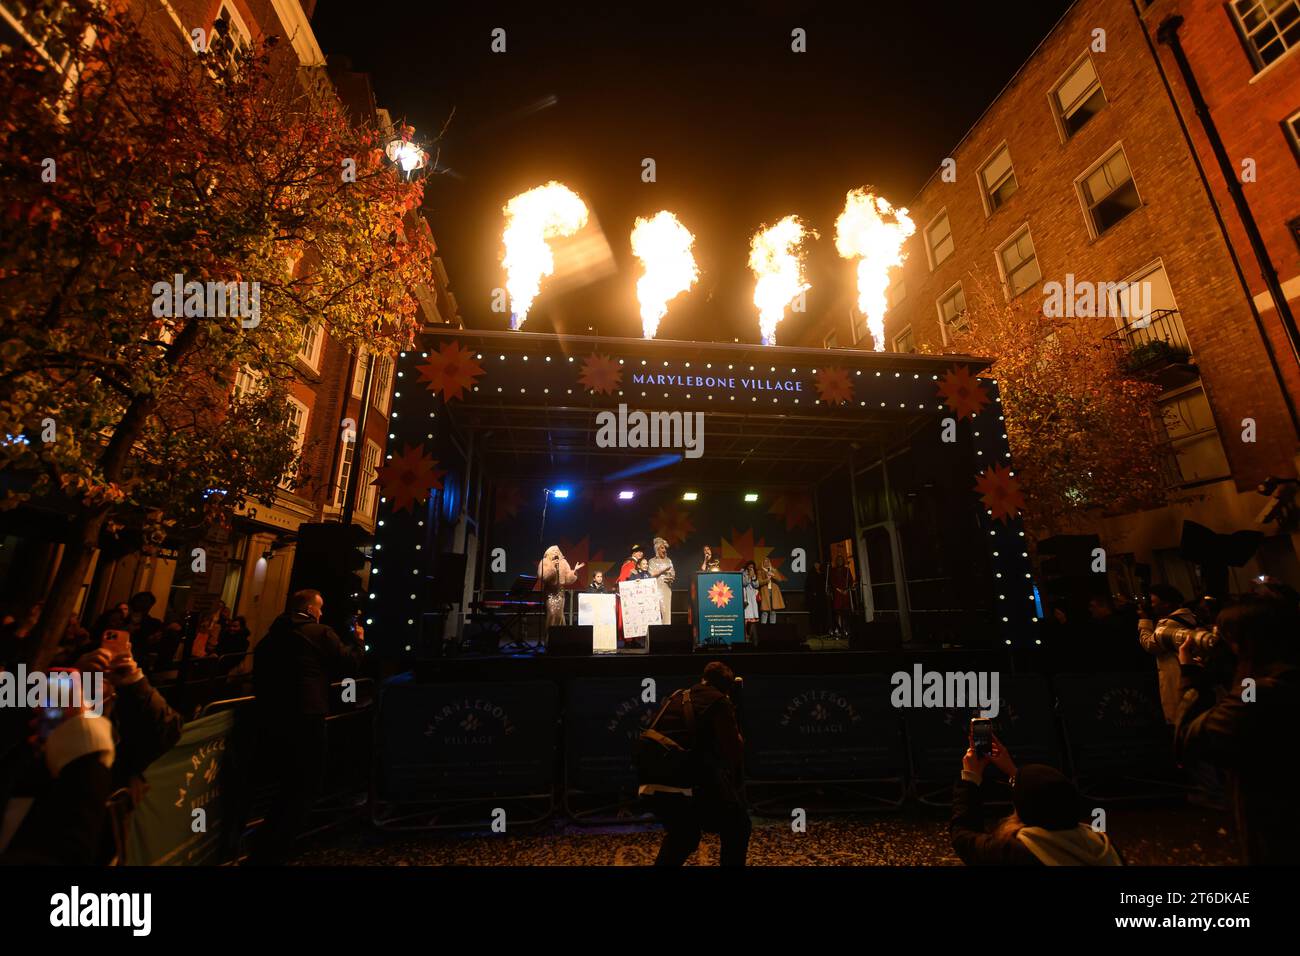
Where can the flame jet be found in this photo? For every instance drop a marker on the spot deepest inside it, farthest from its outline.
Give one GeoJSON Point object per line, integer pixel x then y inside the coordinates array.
{"type": "Point", "coordinates": [664, 247]}
{"type": "Point", "coordinates": [873, 232]}
{"type": "Point", "coordinates": [552, 211]}
{"type": "Point", "coordinates": [776, 259]}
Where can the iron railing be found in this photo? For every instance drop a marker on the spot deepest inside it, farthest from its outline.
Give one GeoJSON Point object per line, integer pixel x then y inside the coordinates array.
{"type": "Point", "coordinates": [1158, 339]}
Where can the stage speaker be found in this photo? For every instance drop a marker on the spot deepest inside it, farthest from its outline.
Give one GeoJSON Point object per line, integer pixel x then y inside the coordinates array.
{"type": "Point", "coordinates": [779, 637]}
{"type": "Point", "coordinates": [670, 639]}
{"type": "Point", "coordinates": [569, 640]}
{"type": "Point", "coordinates": [448, 584]}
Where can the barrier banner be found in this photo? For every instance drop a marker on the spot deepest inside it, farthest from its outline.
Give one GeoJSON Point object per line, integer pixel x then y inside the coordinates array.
{"type": "Point", "coordinates": [598, 610]}
{"type": "Point", "coordinates": [641, 608]}
{"type": "Point", "coordinates": [602, 719]}
{"type": "Point", "coordinates": [1114, 722]}
{"type": "Point", "coordinates": [438, 741]}
{"type": "Point", "coordinates": [820, 727]}
{"type": "Point", "coordinates": [179, 822]}
{"type": "Point", "coordinates": [720, 607]}
{"type": "Point", "coordinates": [939, 736]}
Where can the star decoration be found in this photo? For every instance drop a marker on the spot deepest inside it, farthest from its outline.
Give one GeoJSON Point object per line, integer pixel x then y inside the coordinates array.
{"type": "Point", "coordinates": [409, 478]}
{"type": "Point", "coordinates": [962, 393]}
{"type": "Point", "coordinates": [742, 548]}
{"type": "Point", "coordinates": [580, 552]}
{"type": "Point", "coordinates": [506, 503]}
{"type": "Point", "coordinates": [720, 594]}
{"type": "Point", "coordinates": [601, 374]}
{"type": "Point", "coordinates": [795, 506]}
{"type": "Point", "coordinates": [672, 524]}
{"type": "Point", "coordinates": [834, 386]}
{"type": "Point", "coordinates": [450, 370]}
{"type": "Point", "coordinates": [1000, 491]}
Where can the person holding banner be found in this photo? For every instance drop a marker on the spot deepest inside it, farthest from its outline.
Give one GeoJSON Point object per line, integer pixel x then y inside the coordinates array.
{"type": "Point", "coordinates": [553, 576]}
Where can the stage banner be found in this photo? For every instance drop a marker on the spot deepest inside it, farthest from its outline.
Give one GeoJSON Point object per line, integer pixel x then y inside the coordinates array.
{"type": "Point", "coordinates": [598, 610]}
{"type": "Point", "coordinates": [640, 600]}
{"type": "Point", "coordinates": [1113, 722]}
{"type": "Point", "coordinates": [821, 727]}
{"type": "Point", "coordinates": [439, 741]}
{"type": "Point", "coordinates": [603, 717]}
{"type": "Point", "coordinates": [179, 822]}
{"type": "Point", "coordinates": [938, 736]}
{"type": "Point", "coordinates": [720, 607]}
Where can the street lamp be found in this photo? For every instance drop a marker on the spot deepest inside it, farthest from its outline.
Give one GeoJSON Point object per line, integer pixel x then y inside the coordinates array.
{"type": "Point", "coordinates": [404, 153]}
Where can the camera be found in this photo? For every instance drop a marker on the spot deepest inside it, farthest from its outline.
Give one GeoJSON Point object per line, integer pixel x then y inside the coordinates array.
{"type": "Point", "coordinates": [1171, 635]}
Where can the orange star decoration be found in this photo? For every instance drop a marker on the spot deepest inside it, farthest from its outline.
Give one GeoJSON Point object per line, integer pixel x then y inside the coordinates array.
{"type": "Point", "coordinates": [601, 374]}
{"type": "Point", "coordinates": [409, 478]}
{"type": "Point", "coordinates": [795, 506]}
{"type": "Point", "coordinates": [580, 552]}
{"type": "Point", "coordinates": [720, 594]}
{"type": "Point", "coordinates": [962, 393]}
{"type": "Point", "coordinates": [672, 524]}
{"type": "Point", "coordinates": [507, 502]}
{"type": "Point", "coordinates": [451, 370]}
{"type": "Point", "coordinates": [834, 386]}
{"type": "Point", "coordinates": [742, 548]}
{"type": "Point", "coordinates": [1001, 492]}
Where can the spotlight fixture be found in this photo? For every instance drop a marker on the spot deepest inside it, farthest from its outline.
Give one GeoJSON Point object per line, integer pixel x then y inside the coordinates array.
{"type": "Point", "coordinates": [625, 495]}
{"type": "Point", "coordinates": [751, 496]}
{"type": "Point", "coordinates": [561, 492]}
{"type": "Point", "coordinates": [691, 496]}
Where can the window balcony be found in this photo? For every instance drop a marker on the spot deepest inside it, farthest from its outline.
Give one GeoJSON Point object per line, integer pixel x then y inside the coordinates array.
{"type": "Point", "coordinates": [1155, 347]}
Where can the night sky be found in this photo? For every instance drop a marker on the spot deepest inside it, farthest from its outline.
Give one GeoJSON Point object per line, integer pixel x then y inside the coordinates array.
{"type": "Point", "coordinates": [742, 129]}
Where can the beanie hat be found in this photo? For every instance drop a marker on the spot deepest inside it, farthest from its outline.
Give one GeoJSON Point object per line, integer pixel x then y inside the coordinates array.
{"type": "Point", "coordinates": [1043, 797]}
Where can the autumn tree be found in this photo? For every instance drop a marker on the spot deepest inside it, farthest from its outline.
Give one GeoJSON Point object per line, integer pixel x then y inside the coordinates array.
{"type": "Point", "coordinates": [131, 169]}
{"type": "Point", "coordinates": [1079, 423]}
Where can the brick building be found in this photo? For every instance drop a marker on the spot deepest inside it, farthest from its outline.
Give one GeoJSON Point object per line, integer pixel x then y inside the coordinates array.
{"type": "Point", "coordinates": [249, 562]}
{"type": "Point", "coordinates": [1081, 171]}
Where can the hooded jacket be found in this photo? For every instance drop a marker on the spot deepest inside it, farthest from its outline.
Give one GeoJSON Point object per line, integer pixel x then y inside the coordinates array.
{"type": "Point", "coordinates": [1032, 846]}
{"type": "Point", "coordinates": [1082, 846]}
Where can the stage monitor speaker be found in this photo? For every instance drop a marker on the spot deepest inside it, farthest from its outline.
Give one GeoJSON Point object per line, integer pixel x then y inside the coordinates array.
{"type": "Point", "coordinates": [670, 639]}
{"type": "Point", "coordinates": [779, 637]}
{"type": "Point", "coordinates": [569, 640]}
{"type": "Point", "coordinates": [448, 584]}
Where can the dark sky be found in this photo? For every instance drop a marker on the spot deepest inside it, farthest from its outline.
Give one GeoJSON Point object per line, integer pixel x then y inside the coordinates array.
{"type": "Point", "coordinates": [742, 129]}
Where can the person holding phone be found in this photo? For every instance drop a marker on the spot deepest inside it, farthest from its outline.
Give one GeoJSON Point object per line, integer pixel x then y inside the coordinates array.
{"type": "Point", "coordinates": [1044, 829]}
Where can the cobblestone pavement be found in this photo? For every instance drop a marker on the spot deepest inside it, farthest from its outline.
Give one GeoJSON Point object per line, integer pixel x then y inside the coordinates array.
{"type": "Point", "coordinates": [1163, 835]}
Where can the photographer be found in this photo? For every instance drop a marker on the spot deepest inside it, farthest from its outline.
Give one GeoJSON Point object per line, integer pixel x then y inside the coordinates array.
{"type": "Point", "coordinates": [1250, 732]}
{"type": "Point", "coordinates": [701, 721]}
{"type": "Point", "coordinates": [1044, 830]}
{"type": "Point", "coordinates": [1164, 604]}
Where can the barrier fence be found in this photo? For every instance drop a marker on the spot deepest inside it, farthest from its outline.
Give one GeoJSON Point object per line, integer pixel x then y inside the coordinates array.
{"type": "Point", "coordinates": [429, 756]}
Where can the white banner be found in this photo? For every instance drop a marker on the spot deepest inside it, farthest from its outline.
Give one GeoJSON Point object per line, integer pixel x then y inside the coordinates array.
{"type": "Point", "coordinates": [640, 599]}
{"type": "Point", "coordinates": [598, 611]}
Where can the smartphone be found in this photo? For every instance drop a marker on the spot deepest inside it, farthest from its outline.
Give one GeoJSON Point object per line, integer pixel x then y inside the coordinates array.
{"type": "Point", "coordinates": [61, 688]}
{"type": "Point", "coordinates": [116, 641]}
{"type": "Point", "coordinates": [981, 736]}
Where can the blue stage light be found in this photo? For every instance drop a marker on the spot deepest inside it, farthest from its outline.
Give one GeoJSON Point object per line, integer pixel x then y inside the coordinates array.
{"type": "Point", "coordinates": [561, 492]}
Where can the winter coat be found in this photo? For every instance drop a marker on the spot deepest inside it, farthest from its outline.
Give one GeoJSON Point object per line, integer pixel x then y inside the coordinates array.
{"type": "Point", "coordinates": [1166, 660]}
{"type": "Point", "coordinates": [769, 593]}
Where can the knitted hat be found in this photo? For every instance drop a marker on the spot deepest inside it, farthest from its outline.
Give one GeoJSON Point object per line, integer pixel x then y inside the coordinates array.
{"type": "Point", "coordinates": [1043, 797]}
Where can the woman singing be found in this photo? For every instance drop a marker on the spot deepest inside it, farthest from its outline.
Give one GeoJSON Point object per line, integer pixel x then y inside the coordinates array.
{"type": "Point", "coordinates": [661, 569]}
{"type": "Point", "coordinates": [553, 576]}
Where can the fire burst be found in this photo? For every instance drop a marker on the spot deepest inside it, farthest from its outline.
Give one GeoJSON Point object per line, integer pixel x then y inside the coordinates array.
{"type": "Point", "coordinates": [776, 259]}
{"type": "Point", "coordinates": [547, 212]}
{"type": "Point", "coordinates": [873, 232]}
{"type": "Point", "coordinates": [664, 247]}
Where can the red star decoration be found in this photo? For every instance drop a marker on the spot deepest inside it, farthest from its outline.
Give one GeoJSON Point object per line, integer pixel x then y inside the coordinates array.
{"type": "Point", "coordinates": [601, 374]}
{"type": "Point", "coordinates": [962, 393]}
{"type": "Point", "coordinates": [1000, 492]}
{"type": "Point", "coordinates": [409, 477]}
{"type": "Point", "coordinates": [451, 370]}
{"type": "Point", "coordinates": [742, 548]}
{"type": "Point", "coordinates": [507, 502]}
{"type": "Point", "coordinates": [834, 386]}
{"type": "Point", "coordinates": [720, 594]}
{"type": "Point", "coordinates": [672, 524]}
{"type": "Point", "coordinates": [579, 552]}
{"type": "Point", "coordinates": [795, 505]}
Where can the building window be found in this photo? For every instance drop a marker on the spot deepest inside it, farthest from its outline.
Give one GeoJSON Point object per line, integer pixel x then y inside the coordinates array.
{"type": "Point", "coordinates": [952, 310]}
{"type": "Point", "coordinates": [246, 382]}
{"type": "Point", "coordinates": [938, 240]}
{"type": "Point", "coordinates": [309, 349]}
{"type": "Point", "coordinates": [1291, 126]}
{"type": "Point", "coordinates": [1019, 262]}
{"type": "Point", "coordinates": [895, 293]}
{"type": "Point", "coordinates": [1078, 97]}
{"type": "Point", "coordinates": [359, 373]}
{"type": "Point", "coordinates": [1269, 27]}
{"type": "Point", "coordinates": [1108, 191]}
{"type": "Point", "coordinates": [298, 425]}
{"type": "Point", "coordinates": [382, 383]}
{"type": "Point", "coordinates": [904, 342]}
{"type": "Point", "coordinates": [1193, 439]}
{"type": "Point", "coordinates": [998, 180]}
{"type": "Point", "coordinates": [369, 469]}
{"type": "Point", "coordinates": [232, 37]}
{"type": "Point", "coordinates": [832, 341]}
{"type": "Point", "coordinates": [345, 472]}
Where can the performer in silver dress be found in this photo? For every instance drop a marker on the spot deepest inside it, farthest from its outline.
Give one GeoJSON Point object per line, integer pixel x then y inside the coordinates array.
{"type": "Point", "coordinates": [661, 569]}
{"type": "Point", "coordinates": [553, 576]}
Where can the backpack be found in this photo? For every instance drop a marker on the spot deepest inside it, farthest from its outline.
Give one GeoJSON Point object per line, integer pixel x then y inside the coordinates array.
{"type": "Point", "coordinates": [663, 761]}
